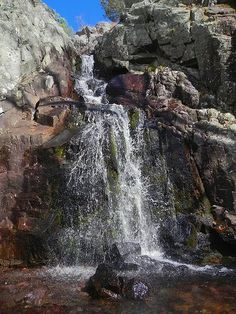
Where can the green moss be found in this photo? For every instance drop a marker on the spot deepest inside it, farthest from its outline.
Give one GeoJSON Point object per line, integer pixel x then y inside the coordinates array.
{"type": "Point", "coordinates": [206, 205]}
{"type": "Point", "coordinates": [59, 219]}
{"type": "Point", "coordinates": [212, 259]}
{"type": "Point", "coordinates": [192, 239]}
{"type": "Point", "coordinates": [63, 24]}
{"type": "Point", "coordinates": [155, 68]}
{"type": "Point", "coordinates": [134, 117]}
{"type": "Point", "coordinates": [183, 200]}
{"type": "Point", "coordinates": [60, 152]}
{"type": "Point", "coordinates": [112, 147]}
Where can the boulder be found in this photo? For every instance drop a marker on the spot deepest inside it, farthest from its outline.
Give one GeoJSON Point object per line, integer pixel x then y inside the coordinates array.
{"type": "Point", "coordinates": [128, 89]}
{"type": "Point", "coordinates": [109, 284]}
{"type": "Point", "coordinates": [104, 278]}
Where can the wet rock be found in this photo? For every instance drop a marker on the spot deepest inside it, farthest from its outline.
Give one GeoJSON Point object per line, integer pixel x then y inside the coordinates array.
{"type": "Point", "coordinates": [136, 289]}
{"type": "Point", "coordinates": [104, 278]}
{"type": "Point", "coordinates": [231, 218]}
{"type": "Point", "coordinates": [119, 252]}
{"type": "Point", "coordinates": [108, 283]}
{"type": "Point", "coordinates": [218, 212]}
{"type": "Point", "coordinates": [107, 294]}
{"type": "Point", "coordinates": [36, 297]}
{"type": "Point", "coordinates": [6, 224]}
{"type": "Point", "coordinates": [212, 259]}
{"type": "Point", "coordinates": [128, 89]}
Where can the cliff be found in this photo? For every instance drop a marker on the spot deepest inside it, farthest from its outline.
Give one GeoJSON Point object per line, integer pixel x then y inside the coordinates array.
{"type": "Point", "coordinates": [176, 60]}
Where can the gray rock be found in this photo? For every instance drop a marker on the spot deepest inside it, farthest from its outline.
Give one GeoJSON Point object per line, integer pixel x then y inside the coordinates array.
{"type": "Point", "coordinates": [88, 37]}
{"type": "Point", "coordinates": [198, 41]}
{"type": "Point", "coordinates": [34, 56]}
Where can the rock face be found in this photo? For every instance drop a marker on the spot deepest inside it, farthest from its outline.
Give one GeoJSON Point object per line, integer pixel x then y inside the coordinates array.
{"type": "Point", "coordinates": [198, 146]}
{"type": "Point", "coordinates": [200, 41]}
{"type": "Point", "coordinates": [36, 59]}
{"type": "Point", "coordinates": [183, 58]}
{"type": "Point", "coordinates": [88, 37]}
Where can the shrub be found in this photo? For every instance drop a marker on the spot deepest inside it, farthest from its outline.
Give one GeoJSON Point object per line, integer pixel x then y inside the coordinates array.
{"type": "Point", "coordinates": [113, 9]}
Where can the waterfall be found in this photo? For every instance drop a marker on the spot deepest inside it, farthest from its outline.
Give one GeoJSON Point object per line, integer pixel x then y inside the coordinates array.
{"type": "Point", "coordinates": [108, 191]}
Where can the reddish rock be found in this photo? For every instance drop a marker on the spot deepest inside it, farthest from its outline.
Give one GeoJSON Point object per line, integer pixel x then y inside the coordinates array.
{"type": "Point", "coordinates": [128, 89]}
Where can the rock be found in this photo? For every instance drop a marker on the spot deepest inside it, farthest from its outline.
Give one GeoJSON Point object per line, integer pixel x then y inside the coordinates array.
{"type": "Point", "coordinates": [41, 62]}
{"type": "Point", "coordinates": [119, 252]}
{"type": "Point", "coordinates": [6, 224]}
{"type": "Point", "coordinates": [231, 218]}
{"type": "Point", "coordinates": [129, 86]}
{"type": "Point", "coordinates": [166, 83]}
{"type": "Point", "coordinates": [197, 41]}
{"type": "Point", "coordinates": [104, 278]}
{"type": "Point", "coordinates": [218, 212]}
{"type": "Point", "coordinates": [131, 89]}
{"type": "Point", "coordinates": [88, 37]}
{"type": "Point", "coordinates": [36, 297]}
{"type": "Point", "coordinates": [108, 283]}
{"type": "Point", "coordinates": [107, 294]}
{"type": "Point", "coordinates": [136, 290]}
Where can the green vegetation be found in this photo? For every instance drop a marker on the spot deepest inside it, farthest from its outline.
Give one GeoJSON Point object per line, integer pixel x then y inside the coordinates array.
{"type": "Point", "coordinates": [62, 22]}
{"type": "Point", "coordinates": [192, 239]}
{"type": "Point", "coordinates": [113, 9]}
{"type": "Point", "coordinates": [134, 116]}
{"type": "Point", "coordinates": [60, 152]}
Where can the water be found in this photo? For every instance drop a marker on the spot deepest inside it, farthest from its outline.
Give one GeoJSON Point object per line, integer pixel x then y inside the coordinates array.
{"type": "Point", "coordinates": [110, 193]}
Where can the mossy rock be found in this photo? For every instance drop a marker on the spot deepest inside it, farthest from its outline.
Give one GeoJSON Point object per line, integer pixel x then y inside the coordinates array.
{"type": "Point", "coordinates": [134, 118]}
{"type": "Point", "coordinates": [212, 259]}
{"type": "Point", "coordinates": [112, 148]}
{"type": "Point", "coordinates": [192, 240]}
{"type": "Point", "coordinates": [60, 152]}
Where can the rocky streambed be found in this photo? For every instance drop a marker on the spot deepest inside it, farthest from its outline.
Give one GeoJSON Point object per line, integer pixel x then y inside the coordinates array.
{"type": "Point", "coordinates": [60, 290]}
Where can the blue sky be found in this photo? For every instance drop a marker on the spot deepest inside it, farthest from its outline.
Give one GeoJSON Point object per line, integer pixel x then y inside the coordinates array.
{"type": "Point", "coordinates": [78, 12]}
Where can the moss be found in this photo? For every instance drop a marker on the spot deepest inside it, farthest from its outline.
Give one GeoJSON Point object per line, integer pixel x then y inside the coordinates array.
{"type": "Point", "coordinates": [182, 200]}
{"type": "Point", "coordinates": [63, 24]}
{"type": "Point", "coordinates": [112, 147]}
{"type": "Point", "coordinates": [134, 117]}
{"type": "Point", "coordinates": [206, 205]}
{"type": "Point", "coordinates": [60, 152]}
{"type": "Point", "coordinates": [59, 219]}
{"type": "Point", "coordinates": [212, 259]}
{"type": "Point", "coordinates": [192, 239]}
{"type": "Point", "coordinates": [113, 180]}
{"type": "Point", "coordinates": [155, 68]}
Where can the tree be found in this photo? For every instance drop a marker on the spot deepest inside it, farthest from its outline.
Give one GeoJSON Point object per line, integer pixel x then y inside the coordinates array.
{"type": "Point", "coordinates": [113, 9]}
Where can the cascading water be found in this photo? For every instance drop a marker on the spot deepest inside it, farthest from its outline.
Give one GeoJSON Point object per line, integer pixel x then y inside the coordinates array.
{"type": "Point", "coordinates": [108, 189]}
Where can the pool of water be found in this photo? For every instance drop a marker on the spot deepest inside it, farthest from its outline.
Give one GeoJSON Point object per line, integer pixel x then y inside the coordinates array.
{"type": "Point", "coordinates": [60, 290]}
